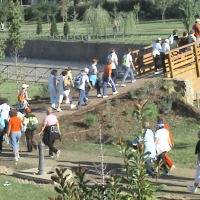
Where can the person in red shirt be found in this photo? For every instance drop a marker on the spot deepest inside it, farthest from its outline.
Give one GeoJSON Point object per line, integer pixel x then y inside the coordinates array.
{"type": "Point", "coordinates": [108, 80]}
{"type": "Point", "coordinates": [169, 162]}
{"type": "Point", "coordinates": [196, 29]}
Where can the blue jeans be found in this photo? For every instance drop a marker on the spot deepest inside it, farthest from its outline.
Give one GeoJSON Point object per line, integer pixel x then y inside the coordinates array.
{"type": "Point", "coordinates": [82, 98]}
{"type": "Point", "coordinates": [114, 75]}
{"type": "Point", "coordinates": [127, 71]}
{"type": "Point", "coordinates": [105, 81]}
{"type": "Point", "coordinates": [96, 85]}
{"type": "Point", "coordinates": [14, 138]}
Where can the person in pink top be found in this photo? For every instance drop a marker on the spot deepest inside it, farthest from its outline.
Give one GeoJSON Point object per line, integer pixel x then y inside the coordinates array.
{"type": "Point", "coordinates": [51, 131]}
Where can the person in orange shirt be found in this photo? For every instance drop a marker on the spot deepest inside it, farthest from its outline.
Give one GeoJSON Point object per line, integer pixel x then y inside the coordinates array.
{"type": "Point", "coordinates": [196, 29]}
{"type": "Point", "coordinates": [14, 131]}
{"type": "Point", "coordinates": [108, 80]}
{"type": "Point", "coordinates": [169, 162]}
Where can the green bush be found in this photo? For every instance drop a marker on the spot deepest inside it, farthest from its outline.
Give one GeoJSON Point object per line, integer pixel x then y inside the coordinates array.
{"type": "Point", "coordinates": [53, 30]}
{"type": "Point", "coordinates": [154, 110]}
{"type": "Point", "coordinates": [91, 120]}
{"type": "Point", "coordinates": [43, 91]}
{"type": "Point", "coordinates": [66, 28]}
{"type": "Point", "coordinates": [39, 26]}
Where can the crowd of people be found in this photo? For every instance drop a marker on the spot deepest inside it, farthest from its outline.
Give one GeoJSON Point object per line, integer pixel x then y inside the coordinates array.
{"type": "Point", "coordinates": [174, 41]}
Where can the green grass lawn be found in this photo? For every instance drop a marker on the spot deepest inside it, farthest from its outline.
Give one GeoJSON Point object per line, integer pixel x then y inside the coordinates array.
{"type": "Point", "coordinates": [23, 190]}
{"type": "Point", "coordinates": [9, 90]}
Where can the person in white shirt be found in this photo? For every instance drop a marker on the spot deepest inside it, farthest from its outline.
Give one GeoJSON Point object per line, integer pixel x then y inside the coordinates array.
{"type": "Point", "coordinates": [4, 114]}
{"type": "Point", "coordinates": [163, 143]}
{"type": "Point", "coordinates": [84, 80]}
{"type": "Point", "coordinates": [156, 53]}
{"type": "Point", "coordinates": [171, 37]}
{"type": "Point", "coordinates": [113, 57]}
{"type": "Point", "coordinates": [52, 88]}
{"type": "Point", "coordinates": [191, 39]}
{"type": "Point", "coordinates": [149, 146]}
{"type": "Point", "coordinates": [128, 68]}
{"type": "Point", "coordinates": [165, 48]}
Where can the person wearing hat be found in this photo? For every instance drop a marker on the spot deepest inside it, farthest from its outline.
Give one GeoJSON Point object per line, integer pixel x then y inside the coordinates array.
{"type": "Point", "coordinates": [171, 37]}
{"type": "Point", "coordinates": [156, 53]}
{"type": "Point", "coordinates": [196, 28]}
{"type": "Point", "coordinates": [23, 98]}
{"type": "Point", "coordinates": [31, 126]}
{"type": "Point", "coordinates": [165, 48]}
{"type": "Point", "coordinates": [81, 87]}
{"type": "Point", "coordinates": [197, 176]}
{"type": "Point", "coordinates": [163, 143]}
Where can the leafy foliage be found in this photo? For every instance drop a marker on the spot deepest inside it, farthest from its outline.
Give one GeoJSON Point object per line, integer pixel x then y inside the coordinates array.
{"type": "Point", "coordinates": [53, 30]}
{"type": "Point", "coordinates": [91, 120]}
{"type": "Point", "coordinates": [39, 26]}
{"type": "Point", "coordinates": [66, 29]}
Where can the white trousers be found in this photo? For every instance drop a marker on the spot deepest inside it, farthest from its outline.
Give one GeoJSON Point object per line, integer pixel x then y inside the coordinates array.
{"type": "Point", "coordinates": [197, 176]}
{"type": "Point", "coordinates": [53, 97]}
{"type": "Point", "coordinates": [65, 93]}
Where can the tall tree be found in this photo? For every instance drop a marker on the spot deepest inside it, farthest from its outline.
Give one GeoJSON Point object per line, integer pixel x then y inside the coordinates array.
{"type": "Point", "coordinates": [162, 6]}
{"type": "Point", "coordinates": [64, 8]}
{"type": "Point", "coordinates": [53, 30]}
{"type": "Point", "coordinates": [188, 12]}
{"type": "Point", "coordinates": [136, 10]}
{"type": "Point", "coordinates": [4, 10]}
{"type": "Point", "coordinates": [15, 39]}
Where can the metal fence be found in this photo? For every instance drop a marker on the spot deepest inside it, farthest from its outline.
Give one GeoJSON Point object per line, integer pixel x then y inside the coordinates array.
{"type": "Point", "coordinates": [144, 39]}
{"type": "Point", "coordinates": [30, 73]}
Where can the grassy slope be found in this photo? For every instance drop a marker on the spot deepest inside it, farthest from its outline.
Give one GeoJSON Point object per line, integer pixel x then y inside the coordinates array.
{"type": "Point", "coordinates": [23, 191]}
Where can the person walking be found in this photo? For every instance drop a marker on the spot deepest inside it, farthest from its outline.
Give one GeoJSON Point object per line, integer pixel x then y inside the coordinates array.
{"type": "Point", "coordinates": [196, 28]}
{"type": "Point", "coordinates": [14, 132]}
{"type": "Point", "coordinates": [129, 67]}
{"type": "Point", "coordinates": [150, 147]}
{"type": "Point", "coordinates": [51, 130]}
{"type": "Point", "coordinates": [156, 53]}
{"type": "Point", "coordinates": [31, 126]}
{"type": "Point", "coordinates": [114, 63]}
{"type": "Point", "coordinates": [165, 48]}
{"type": "Point", "coordinates": [70, 83]}
{"type": "Point", "coordinates": [4, 115]}
{"type": "Point", "coordinates": [84, 79]}
{"type": "Point", "coordinates": [168, 160]}
{"type": "Point", "coordinates": [107, 78]}
{"type": "Point", "coordinates": [191, 39]}
{"type": "Point", "coordinates": [52, 88]}
{"type": "Point", "coordinates": [163, 143]}
{"type": "Point", "coordinates": [197, 176]}
{"type": "Point", "coordinates": [93, 77]}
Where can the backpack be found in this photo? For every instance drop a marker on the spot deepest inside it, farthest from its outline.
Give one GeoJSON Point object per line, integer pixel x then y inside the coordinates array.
{"type": "Point", "coordinates": [21, 97]}
{"type": "Point", "coordinates": [32, 123]}
{"type": "Point", "coordinates": [78, 80]}
{"type": "Point", "coordinates": [124, 59]}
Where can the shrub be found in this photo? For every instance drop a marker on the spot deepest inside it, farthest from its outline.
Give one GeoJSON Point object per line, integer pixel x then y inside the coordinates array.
{"type": "Point", "coordinates": [53, 30]}
{"type": "Point", "coordinates": [154, 110]}
{"type": "Point", "coordinates": [91, 120]}
{"type": "Point", "coordinates": [43, 91]}
{"type": "Point", "coordinates": [66, 28]}
{"type": "Point", "coordinates": [39, 26]}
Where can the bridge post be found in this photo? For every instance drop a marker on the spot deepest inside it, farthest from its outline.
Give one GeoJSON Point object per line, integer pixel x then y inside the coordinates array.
{"type": "Point", "coordinates": [196, 59]}
{"type": "Point", "coordinates": [170, 64]}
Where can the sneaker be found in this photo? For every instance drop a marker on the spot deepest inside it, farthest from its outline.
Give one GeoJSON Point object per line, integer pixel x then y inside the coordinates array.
{"type": "Point", "coordinates": [15, 159]}
{"type": "Point", "coordinates": [59, 109]}
{"type": "Point", "coordinates": [99, 95]}
{"type": "Point", "coordinates": [133, 81]}
{"type": "Point", "coordinates": [58, 154]}
{"type": "Point", "coordinates": [72, 106]}
{"type": "Point", "coordinates": [123, 85]}
{"type": "Point", "coordinates": [172, 168]}
{"type": "Point", "coordinates": [156, 72]}
{"type": "Point", "coordinates": [115, 92]}
{"type": "Point", "coordinates": [116, 84]}
{"type": "Point", "coordinates": [192, 189]}
{"type": "Point", "coordinates": [105, 96]}
{"type": "Point", "coordinates": [53, 107]}
{"type": "Point", "coordinates": [67, 101]}
{"type": "Point", "coordinates": [50, 156]}
{"type": "Point", "coordinates": [18, 156]}
{"type": "Point", "coordinates": [86, 98]}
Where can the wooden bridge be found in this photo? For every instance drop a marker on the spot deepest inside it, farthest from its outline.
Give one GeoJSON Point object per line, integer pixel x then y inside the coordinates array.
{"type": "Point", "coordinates": [178, 65]}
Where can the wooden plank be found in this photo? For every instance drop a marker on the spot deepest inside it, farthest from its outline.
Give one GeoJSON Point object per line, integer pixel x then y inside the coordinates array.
{"type": "Point", "coordinates": [183, 63]}
{"type": "Point", "coordinates": [185, 69]}
{"type": "Point", "coordinates": [147, 55]}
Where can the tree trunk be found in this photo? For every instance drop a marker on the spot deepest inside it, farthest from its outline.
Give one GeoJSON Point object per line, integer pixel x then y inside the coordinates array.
{"type": "Point", "coordinates": [163, 17]}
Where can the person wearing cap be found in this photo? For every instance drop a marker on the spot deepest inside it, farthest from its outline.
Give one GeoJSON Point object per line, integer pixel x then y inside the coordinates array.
{"type": "Point", "coordinates": [163, 143]}
{"type": "Point", "coordinates": [169, 162]}
{"type": "Point", "coordinates": [81, 87]}
{"type": "Point", "coordinates": [197, 176]}
{"type": "Point", "coordinates": [114, 63]}
{"type": "Point", "coordinates": [165, 48]}
{"type": "Point", "coordinates": [23, 98]}
{"type": "Point", "coordinates": [29, 132]}
{"type": "Point", "coordinates": [156, 53]}
{"type": "Point", "coordinates": [191, 39]}
{"type": "Point", "coordinates": [196, 28]}
{"type": "Point", "coordinates": [171, 37]}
